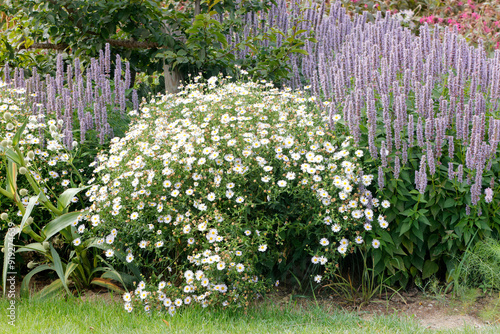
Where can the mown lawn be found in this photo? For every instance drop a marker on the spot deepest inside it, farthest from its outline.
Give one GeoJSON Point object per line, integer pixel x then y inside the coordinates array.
{"type": "Point", "coordinates": [98, 316]}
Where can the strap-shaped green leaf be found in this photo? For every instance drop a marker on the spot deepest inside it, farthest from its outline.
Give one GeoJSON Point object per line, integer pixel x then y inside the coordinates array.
{"type": "Point", "coordinates": [11, 155]}
{"type": "Point", "coordinates": [19, 133]}
{"type": "Point", "coordinates": [29, 208]}
{"type": "Point", "coordinates": [50, 289]}
{"type": "Point", "coordinates": [60, 223]}
{"type": "Point", "coordinates": [32, 247]}
{"type": "Point", "coordinates": [65, 199]}
{"type": "Point", "coordinates": [58, 267]}
{"type": "Point", "coordinates": [27, 278]}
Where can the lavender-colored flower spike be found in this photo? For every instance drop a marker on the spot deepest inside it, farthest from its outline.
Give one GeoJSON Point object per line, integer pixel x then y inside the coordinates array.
{"type": "Point", "coordinates": [404, 154]}
{"type": "Point", "coordinates": [420, 133]}
{"type": "Point", "coordinates": [397, 167]}
{"type": "Point", "coordinates": [430, 158]}
{"type": "Point", "coordinates": [460, 173]}
{"type": "Point", "coordinates": [421, 176]}
{"type": "Point", "coordinates": [380, 178]}
{"type": "Point", "coordinates": [135, 100]}
{"type": "Point", "coordinates": [7, 73]}
{"type": "Point", "coordinates": [383, 155]}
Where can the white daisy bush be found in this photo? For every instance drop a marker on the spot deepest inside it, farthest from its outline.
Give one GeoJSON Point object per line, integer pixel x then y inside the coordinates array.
{"type": "Point", "coordinates": [217, 191]}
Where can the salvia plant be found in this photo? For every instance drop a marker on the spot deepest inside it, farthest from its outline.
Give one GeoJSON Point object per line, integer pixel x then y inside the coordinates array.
{"type": "Point", "coordinates": [426, 109]}
{"type": "Point", "coordinates": [83, 99]}
{"type": "Point", "coordinates": [226, 187]}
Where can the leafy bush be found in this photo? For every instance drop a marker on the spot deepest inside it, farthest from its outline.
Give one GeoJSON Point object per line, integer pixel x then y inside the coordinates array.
{"type": "Point", "coordinates": [222, 188]}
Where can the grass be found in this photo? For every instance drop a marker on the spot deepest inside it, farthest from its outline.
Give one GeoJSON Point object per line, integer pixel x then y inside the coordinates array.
{"type": "Point", "coordinates": [76, 316]}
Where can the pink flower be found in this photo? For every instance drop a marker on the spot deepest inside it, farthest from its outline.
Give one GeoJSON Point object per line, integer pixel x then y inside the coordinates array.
{"type": "Point", "coordinates": [475, 16]}
{"type": "Point", "coordinates": [440, 20]}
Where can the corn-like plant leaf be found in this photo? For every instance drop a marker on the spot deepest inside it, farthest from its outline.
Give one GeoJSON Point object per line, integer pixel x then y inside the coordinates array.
{"type": "Point", "coordinates": [11, 177]}
{"type": "Point", "coordinates": [29, 208]}
{"type": "Point", "coordinates": [12, 155]}
{"type": "Point", "coordinates": [60, 223]}
{"type": "Point", "coordinates": [58, 267]}
{"type": "Point", "coordinates": [65, 199]}
{"type": "Point", "coordinates": [38, 247]}
{"type": "Point", "coordinates": [26, 281]}
{"type": "Point", "coordinates": [105, 282]}
{"type": "Point", "coordinates": [6, 258]}
{"type": "Point", "coordinates": [69, 270]}
{"type": "Point", "coordinates": [19, 133]}
{"type": "Point", "coordinates": [50, 289]}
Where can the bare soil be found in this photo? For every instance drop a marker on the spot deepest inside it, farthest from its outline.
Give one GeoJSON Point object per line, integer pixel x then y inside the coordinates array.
{"type": "Point", "coordinates": [437, 312]}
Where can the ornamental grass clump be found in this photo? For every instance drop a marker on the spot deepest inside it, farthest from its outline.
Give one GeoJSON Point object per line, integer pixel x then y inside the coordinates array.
{"type": "Point", "coordinates": [220, 190]}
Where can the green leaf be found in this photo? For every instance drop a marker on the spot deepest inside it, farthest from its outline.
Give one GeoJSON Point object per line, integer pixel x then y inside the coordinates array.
{"type": "Point", "coordinates": [431, 241]}
{"type": "Point", "coordinates": [29, 208]}
{"type": "Point", "coordinates": [423, 219]}
{"type": "Point", "coordinates": [430, 268]}
{"type": "Point", "coordinates": [65, 199]}
{"type": "Point", "coordinates": [27, 278]}
{"type": "Point", "coordinates": [449, 203]}
{"type": "Point", "coordinates": [404, 227]}
{"type": "Point", "coordinates": [60, 223]}
{"type": "Point", "coordinates": [302, 51]}
{"type": "Point", "coordinates": [11, 178]}
{"type": "Point", "coordinates": [18, 134]}
{"type": "Point", "coordinates": [38, 247]}
{"type": "Point", "coordinates": [50, 289]}
{"type": "Point", "coordinates": [408, 212]}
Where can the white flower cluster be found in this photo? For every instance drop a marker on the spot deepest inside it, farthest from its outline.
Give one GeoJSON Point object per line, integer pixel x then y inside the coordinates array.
{"type": "Point", "coordinates": [193, 166]}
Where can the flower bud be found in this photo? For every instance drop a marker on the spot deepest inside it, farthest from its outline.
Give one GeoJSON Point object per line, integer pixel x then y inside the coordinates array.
{"type": "Point", "coordinates": [4, 216]}
{"type": "Point", "coordinates": [31, 155]}
{"type": "Point", "coordinates": [23, 170]}
{"type": "Point", "coordinates": [4, 143]}
{"type": "Point", "coordinates": [23, 192]}
{"type": "Point", "coordinates": [46, 245]}
{"type": "Point", "coordinates": [29, 221]}
{"type": "Point", "coordinates": [10, 126]}
{"type": "Point", "coordinates": [31, 265]}
{"type": "Point", "coordinates": [53, 128]}
{"type": "Point", "coordinates": [7, 116]}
